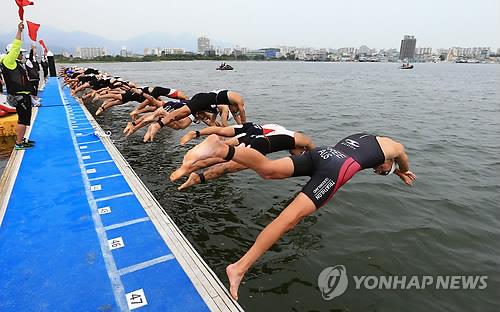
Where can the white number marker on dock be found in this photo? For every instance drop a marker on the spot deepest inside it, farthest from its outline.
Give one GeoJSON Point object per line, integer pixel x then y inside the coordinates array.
{"type": "Point", "coordinates": [136, 299]}
{"type": "Point", "coordinates": [116, 243]}
{"type": "Point", "coordinates": [104, 210]}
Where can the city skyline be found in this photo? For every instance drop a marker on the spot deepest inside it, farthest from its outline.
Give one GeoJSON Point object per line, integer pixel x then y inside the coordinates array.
{"type": "Point", "coordinates": [256, 24]}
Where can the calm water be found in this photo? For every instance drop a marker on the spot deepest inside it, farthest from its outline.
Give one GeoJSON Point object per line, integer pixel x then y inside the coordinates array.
{"type": "Point", "coordinates": [447, 116]}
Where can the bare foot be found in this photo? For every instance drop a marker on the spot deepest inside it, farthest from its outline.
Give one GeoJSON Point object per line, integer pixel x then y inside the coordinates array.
{"type": "Point", "coordinates": [128, 127]}
{"type": "Point", "coordinates": [192, 180]}
{"type": "Point", "coordinates": [211, 147]}
{"type": "Point", "coordinates": [147, 136]}
{"type": "Point", "coordinates": [100, 110]}
{"type": "Point", "coordinates": [152, 130]}
{"type": "Point", "coordinates": [234, 276]}
{"type": "Point", "coordinates": [179, 173]}
{"type": "Point", "coordinates": [131, 130]}
{"type": "Point", "coordinates": [188, 137]}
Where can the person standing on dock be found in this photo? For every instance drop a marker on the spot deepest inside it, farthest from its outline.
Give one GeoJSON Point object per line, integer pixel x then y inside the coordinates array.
{"type": "Point", "coordinates": [18, 88]}
{"type": "Point", "coordinates": [33, 71]}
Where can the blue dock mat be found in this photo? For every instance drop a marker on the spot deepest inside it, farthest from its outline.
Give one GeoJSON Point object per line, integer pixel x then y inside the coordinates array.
{"type": "Point", "coordinates": [74, 236]}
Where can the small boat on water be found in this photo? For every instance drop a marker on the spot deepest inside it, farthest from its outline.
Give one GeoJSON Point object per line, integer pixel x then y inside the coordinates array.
{"type": "Point", "coordinates": [406, 66]}
{"type": "Point", "coordinates": [225, 66]}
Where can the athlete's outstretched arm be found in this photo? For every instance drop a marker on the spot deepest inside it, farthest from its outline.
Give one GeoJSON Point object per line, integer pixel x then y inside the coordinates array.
{"type": "Point", "coordinates": [241, 108]}
{"type": "Point", "coordinates": [224, 114]}
{"type": "Point", "coordinates": [222, 131]}
{"type": "Point", "coordinates": [299, 208]}
{"type": "Point", "coordinates": [396, 151]}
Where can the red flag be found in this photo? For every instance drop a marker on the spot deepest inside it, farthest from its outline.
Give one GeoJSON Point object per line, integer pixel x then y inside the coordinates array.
{"type": "Point", "coordinates": [43, 45]}
{"type": "Point", "coordinates": [32, 29]}
{"type": "Point", "coordinates": [24, 2]}
{"type": "Point", "coordinates": [21, 4]}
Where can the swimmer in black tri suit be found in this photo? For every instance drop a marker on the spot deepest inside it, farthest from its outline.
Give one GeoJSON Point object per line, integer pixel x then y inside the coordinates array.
{"type": "Point", "coordinates": [329, 168]}
{"type": "Point", "coordinates": [209, 117]}
{"type": "Point", "coordinates": [266, 139]}
{"type": "Point", "coordinates": [203, 102]}
{"type": "Point", "coordinates": [138, 95]}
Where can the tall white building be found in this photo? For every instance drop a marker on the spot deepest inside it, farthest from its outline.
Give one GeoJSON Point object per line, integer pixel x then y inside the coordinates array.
{"type": "Point", "coordinates": [90, 53]}
{"type": "Point", "coordinates": [203, 44]}
{"type": "Point", "coordinates": [123, 52]}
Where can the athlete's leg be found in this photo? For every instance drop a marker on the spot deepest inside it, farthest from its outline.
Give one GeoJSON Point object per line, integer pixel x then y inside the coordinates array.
{"type": "Point", "coordinates": [212, 173]}
{"type": "Point", "coordinates": [299, 208]}
{"type": "Point", "coordinates": [135, 113]}
{"type": "Point", "coordinates": [152, 100]}
{"type": "Point", "coordinates": [114, 96]}
{"type": "Point", "coordinates": [177, 114]}
{"type": "Point", "coordinates": [132, 124]}
{"type": "Point", "coordinates": [212, 147]}
{"type": "Point", "coordinates": [147, 119]}
{"type": "Point", "coordinates": [106, 105]}
{"type": "Point", "coordinates": [197, 166]}
{"type": "Point", "coordinates": [88, 95]}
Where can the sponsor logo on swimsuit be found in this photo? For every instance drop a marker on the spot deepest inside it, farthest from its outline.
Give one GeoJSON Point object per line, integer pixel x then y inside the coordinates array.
{"type": "Point", "coordinates": [333, 282]}
{"type": "Point", "coordinates": [323, 188]}
{"type": "Point", "coordinates": [351, 143]}
{"type": "Point", "coordinates": [329, 152]}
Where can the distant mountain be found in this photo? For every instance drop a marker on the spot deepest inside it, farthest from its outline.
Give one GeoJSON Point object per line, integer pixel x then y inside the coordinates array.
{"type": "Point", "coordinates": [58, 41]}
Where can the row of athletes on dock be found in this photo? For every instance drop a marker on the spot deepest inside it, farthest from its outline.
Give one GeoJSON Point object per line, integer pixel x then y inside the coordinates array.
{"type": "Point", "coordinates": [244, 145]}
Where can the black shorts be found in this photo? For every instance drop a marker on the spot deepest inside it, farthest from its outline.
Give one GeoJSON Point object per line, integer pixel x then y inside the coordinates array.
{"type": "Point", "coordinates": [202, 102]}
{"type": "Point", "coordinates": [23, 107]}
{"type": "Point", "coordinates": [173, 105]}
{"type": "Point", "coordinates": [328, 168]}
{"type": "Point", "coordinates": [160, 91]}
{"type": "Point", "coordinates": [222, 97]}
{"type": "Point", "coordinates": [268, 144]}
{"type": "Point", "coordinates": [34, 87]}
{"type": "Point", "coordinates": [130, 96]}
{"type": "Point", "coordinates": [248, 128]}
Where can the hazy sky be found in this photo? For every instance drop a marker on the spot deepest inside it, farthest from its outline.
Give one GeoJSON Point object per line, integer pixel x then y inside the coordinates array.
{"type": "Point", "coordinates": [259, 23]}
